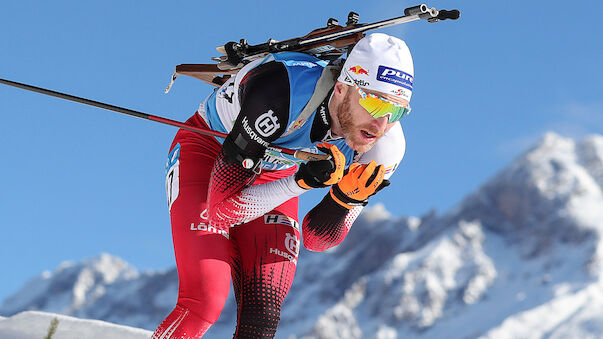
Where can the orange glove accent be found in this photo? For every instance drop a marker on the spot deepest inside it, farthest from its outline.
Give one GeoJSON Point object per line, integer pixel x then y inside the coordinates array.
{"type": "Point", "coordinates": [360, 182]}
{"type": "Point", "coordinates": [322, 173]}
{"type": "Point", "coordinates": [339, 160]}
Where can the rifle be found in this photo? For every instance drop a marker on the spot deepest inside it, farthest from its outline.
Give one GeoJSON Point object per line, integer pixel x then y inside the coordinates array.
{"type": "Point", "coordinates": [327, 43]}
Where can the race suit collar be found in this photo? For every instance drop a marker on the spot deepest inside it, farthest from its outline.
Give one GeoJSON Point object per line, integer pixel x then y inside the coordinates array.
{"type": "Point", "coordinates": [321, 126]}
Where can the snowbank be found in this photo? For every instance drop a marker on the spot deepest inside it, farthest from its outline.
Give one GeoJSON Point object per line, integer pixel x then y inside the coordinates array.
{"type": "Point", "coordinates": [34, 325]}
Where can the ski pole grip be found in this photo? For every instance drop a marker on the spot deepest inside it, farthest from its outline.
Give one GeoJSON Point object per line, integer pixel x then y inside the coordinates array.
{"type": "Point", "coordinates": [309, 156]}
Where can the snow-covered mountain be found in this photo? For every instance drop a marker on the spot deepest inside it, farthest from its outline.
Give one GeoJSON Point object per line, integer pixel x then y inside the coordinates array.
{"type": "Point", "coordinates": [105, 288]}
{"type": "Point", "coordinates": [519, 258]}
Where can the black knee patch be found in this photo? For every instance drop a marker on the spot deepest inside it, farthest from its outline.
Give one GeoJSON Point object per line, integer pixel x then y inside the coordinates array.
{"type": "Point", "coordinates": [260, 307]}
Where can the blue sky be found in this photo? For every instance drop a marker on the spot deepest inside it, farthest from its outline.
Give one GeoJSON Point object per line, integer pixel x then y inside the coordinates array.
{"type": "Point", "coordinates": [79, 181]}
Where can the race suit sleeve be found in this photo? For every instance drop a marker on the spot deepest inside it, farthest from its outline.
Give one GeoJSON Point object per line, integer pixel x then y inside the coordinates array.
{"type": "Point", "coordinates": [264, 97]}
{"type": "Point", "coordinates": [328, 223]}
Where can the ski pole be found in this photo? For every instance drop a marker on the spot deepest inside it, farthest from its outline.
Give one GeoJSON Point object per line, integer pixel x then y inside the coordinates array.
{"type": "Point", "coordinates": [301, 155]}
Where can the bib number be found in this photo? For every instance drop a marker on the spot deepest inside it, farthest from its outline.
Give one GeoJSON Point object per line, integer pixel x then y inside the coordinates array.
{"type": "Point", "coordinates": [172, 179]}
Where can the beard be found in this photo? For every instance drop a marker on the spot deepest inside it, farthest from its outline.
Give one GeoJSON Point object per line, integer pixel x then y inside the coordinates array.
{"type": "Point", "coordinates": [352, 131]}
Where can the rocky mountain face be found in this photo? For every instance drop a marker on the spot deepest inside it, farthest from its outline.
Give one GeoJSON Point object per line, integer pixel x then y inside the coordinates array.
{"type": "Point", "coordinates": [105, 288]}
{"type": "Point", "coordinates": [520, 257]}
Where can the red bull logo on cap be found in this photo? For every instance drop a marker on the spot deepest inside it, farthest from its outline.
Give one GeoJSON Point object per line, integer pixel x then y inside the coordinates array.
{"type": "Point", "coordinates": [358, 70]}
{"type": "Point", "coordinates": [398, 92]}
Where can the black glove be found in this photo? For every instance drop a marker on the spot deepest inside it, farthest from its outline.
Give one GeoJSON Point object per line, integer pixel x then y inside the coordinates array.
{"type": "Point", "coordinates": [322, 173]}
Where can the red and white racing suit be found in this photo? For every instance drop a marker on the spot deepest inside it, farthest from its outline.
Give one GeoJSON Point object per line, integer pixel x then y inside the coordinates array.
{"type": "Point", "coordinates": [229, 223]}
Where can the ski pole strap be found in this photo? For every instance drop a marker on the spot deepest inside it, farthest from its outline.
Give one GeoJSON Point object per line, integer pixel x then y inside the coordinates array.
{"type": "Point", "coordinates": [169, 86]}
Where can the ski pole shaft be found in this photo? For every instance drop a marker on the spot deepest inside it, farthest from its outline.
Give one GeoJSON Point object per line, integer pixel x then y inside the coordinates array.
{"type": "Point", "coordinates": [301, 155]}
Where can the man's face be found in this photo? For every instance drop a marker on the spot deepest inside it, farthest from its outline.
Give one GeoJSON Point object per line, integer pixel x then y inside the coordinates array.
{"type": "Point", "coordinates": [360, 130]}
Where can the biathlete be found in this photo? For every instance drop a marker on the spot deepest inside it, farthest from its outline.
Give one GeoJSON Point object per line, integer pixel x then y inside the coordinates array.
{"type": "Point", "coordinates": [234, 204]}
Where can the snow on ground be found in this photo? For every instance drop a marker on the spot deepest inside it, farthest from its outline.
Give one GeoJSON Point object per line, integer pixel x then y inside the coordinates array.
{"type": "Point", "coordinates": [35, 325]}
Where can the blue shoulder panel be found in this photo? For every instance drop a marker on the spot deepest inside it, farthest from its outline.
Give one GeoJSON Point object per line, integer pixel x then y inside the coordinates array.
{"type": "Point", "coordinates": [304, 71]}
{"type": "Point", "coordinates": [214, 121]}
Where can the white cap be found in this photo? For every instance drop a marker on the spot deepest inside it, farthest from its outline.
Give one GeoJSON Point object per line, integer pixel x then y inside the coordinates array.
{"type": "Point", "coordinates": [382, 63]}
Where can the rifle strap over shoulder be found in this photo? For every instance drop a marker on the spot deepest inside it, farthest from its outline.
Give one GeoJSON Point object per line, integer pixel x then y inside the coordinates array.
{"type": "Point", "coordinates": [321, 90]}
